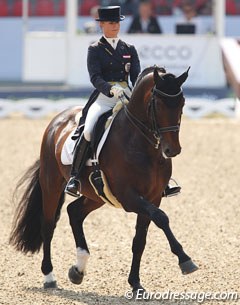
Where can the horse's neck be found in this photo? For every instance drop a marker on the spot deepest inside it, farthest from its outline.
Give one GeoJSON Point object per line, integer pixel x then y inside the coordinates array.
{"type": "Point", "coordinates": [138, 103]}
{"type": "Point", "coordinates": [138, 106]}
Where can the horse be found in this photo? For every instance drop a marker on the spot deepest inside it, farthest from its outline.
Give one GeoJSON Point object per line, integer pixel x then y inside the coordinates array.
{"type": "Point", "coordinates": [144, 137]}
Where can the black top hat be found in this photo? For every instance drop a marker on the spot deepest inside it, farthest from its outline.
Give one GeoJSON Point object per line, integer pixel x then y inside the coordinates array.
{"type": "Point", "coordinates": [110, 13]}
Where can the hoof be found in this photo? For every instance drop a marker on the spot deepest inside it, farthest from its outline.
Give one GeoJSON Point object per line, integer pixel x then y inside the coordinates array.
{"type": "Point", "coordinates": [52, 285]}
{"type": "Point", "coordinates": [138, 292]}
{"type": "Point", "coordinates": [188, 267]}
{"type": "Point", "coordinates": [75, 276]}
{"type": "Point", "coordinates": [138, 287]}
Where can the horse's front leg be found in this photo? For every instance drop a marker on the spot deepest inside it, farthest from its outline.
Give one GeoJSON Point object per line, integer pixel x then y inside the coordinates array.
{"type": "Point", "coordinates": [160, 218]}
{"type": "Point", "coordinates": [77, 212]}
{"type": "Point", "coordinates": [138, 247]}
{"type": "Point", "coordinates": [138, 204]}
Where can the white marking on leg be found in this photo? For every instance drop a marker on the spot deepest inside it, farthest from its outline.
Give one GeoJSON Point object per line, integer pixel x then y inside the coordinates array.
{"type": "Point", "coordinates": [49, 278]}
{"type": "Point", "coordinates": [82, 258]}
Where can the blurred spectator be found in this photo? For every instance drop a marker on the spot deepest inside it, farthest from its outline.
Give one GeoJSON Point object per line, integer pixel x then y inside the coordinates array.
{"type": "Point", "coordinates": [145, 22]}
{"type": "Point", "coordinates": [188, 21]}
{"type": "Point", "coordinates": [189, 12]}
{"type": "Point", "coordinates": [92, 27]}
{"type": "Point", "coordinates": [202, 7]}
{"type": "Point", "coordinates": [205, 7]}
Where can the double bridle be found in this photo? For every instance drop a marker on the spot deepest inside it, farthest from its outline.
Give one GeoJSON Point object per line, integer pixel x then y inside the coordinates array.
{"type": "Point", "coordinates": [155, 130]}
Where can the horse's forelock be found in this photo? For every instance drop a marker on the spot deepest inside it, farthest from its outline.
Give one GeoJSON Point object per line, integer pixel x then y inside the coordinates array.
{"type": "Point", "coordinates": [169, 76]}
{"type": "Point", "coordinates": [147, 71]}
{"type": "Point", "coordinates": [167, 82]}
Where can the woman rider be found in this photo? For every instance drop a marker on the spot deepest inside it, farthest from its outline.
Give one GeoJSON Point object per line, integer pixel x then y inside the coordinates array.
{"type": "Point", "coordinates": [111, 62]}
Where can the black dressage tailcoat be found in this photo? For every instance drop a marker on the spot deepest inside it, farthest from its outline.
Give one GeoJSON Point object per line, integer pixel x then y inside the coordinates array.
{"type": "Point", "coordinates": [106, 64]}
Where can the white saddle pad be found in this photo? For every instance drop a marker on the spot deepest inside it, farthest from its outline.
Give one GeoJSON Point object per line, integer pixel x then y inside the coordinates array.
{"type": "Point", "coordinates": [68, 147]}
{"type": "Point", "coordinates": [67, 150]}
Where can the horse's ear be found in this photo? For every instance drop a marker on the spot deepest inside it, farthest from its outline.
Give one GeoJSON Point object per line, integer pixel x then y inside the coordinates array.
{"type": "Point", "coordinates": [157, 78]}
{"type": "Point", "coordinates": [182, 78]}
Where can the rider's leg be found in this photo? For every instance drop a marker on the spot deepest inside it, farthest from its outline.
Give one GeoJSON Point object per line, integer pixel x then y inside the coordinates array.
{"type": "Point", "coordinates": [79, 159]}
{"type": "Point", "coordinates": [100, 106]}
{"type": "Point", "coordinates": [103, 104]}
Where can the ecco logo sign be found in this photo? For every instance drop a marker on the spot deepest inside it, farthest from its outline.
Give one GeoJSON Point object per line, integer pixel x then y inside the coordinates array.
{"type": "Point", "coordinates": [165, 52]}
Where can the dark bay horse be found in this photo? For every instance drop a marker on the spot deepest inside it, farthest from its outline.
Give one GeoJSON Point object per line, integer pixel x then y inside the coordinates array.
{"type": "Point", "coordinates": [143, 139]}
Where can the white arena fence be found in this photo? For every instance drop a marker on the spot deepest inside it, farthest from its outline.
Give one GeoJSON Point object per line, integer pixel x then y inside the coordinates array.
{"type": "Point", "coordinates": [35, 108]}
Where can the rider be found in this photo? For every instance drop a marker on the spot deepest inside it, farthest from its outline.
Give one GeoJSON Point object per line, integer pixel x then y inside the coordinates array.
{"type": "Point", "coordinates": [110, 63]}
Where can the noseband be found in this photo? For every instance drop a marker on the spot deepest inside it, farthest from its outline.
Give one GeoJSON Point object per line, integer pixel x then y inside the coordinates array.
{"type": "Point", "coordinates": [155, 130]}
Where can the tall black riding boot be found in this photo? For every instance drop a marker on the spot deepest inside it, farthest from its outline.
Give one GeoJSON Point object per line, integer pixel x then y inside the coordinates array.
{"type": "Point", "coordinates": [79, 159]}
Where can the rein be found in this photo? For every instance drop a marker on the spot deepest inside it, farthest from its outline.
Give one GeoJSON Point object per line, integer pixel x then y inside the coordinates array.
{"type": "Point", "coordinates": [155, 131]}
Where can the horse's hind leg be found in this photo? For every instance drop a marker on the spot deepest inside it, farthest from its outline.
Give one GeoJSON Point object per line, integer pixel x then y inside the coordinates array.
{"type": "Point", "coordinates": [78, 211]}
{"type": "Point", "coordinates": [138, 246]}
{"type": "Point", "coordinates": [52, 203]}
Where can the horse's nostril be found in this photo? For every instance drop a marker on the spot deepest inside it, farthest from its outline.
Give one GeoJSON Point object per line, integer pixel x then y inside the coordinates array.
{"type": "Point", "coordinates": [167, 151]}
{"type": "Point", "coordinates": [170, 152]}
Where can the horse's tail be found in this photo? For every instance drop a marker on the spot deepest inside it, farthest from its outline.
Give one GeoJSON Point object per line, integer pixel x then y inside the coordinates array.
{"type": "Point", "coordinates": [26, 231]}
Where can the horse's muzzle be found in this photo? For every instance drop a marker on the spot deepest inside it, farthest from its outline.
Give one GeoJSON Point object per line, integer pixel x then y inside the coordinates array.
{"type": "Point", "coordinates": [170, 152]}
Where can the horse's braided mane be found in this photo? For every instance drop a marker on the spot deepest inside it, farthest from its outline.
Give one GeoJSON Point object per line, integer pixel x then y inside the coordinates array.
{"type": "Point", "coordinates": [147, 71]}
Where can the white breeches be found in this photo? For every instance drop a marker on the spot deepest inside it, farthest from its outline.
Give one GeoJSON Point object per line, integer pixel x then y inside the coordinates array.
{"type": "Point", "coordinates": [100, 106]}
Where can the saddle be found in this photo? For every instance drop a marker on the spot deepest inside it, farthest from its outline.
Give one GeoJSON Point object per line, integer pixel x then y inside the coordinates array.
{"type": "Point", "coordinates": [98, 137]}
{"type": "Point", "coordinates": [97, 133]}
{"type": "Point", "coordinates": [97, 177]}
{"type": "Point", "coordinates": [99, 129]}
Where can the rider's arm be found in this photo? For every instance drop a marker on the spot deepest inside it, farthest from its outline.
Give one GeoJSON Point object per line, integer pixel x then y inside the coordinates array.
{"type": "Point", "coordinates": [95, 73]}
